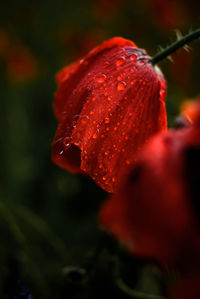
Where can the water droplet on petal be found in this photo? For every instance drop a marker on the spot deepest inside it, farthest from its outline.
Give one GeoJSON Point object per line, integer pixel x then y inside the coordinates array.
{"type": "Point", "coordinates": [119, 78]}
{"type": "Point", "coordinates": [127, 162]}
{"type": "Point", "coordinates": [94, 136]}
{"type": "Point", "coordinates": [106, 153]}
{"type": "Point", "coordinates": [75, 119]}
{"type": "Point", "coordinates": [84, 119]}
{"type": "Point", "coordinates": [120, 61]}
{"type": "Point", "coordinates": [132, 70]}
{"type": "Point", "coordinates": [113, 179]}
{"type": "Point", "coordinates": [101, 78]}
{"type": "Point", "coordinates": [109, 98]}
{"type": "Point", "coordinates": [94, 99]}
{"type": "Point", "coordinates": [121, 85]}
{"type": "Point", "coordinates": [104, 178]}
{"type": "Point", "coordinates": [133, 56]}
{"type": "Point", "coordinates": [66, 141]}
{"type": "Point", "coordinates": [132, 82]}
{"type": "Point", "coordinates": [107, 120]}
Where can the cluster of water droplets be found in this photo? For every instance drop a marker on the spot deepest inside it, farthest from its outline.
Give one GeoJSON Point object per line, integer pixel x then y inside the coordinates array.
{"type": "Point", "coordinates": [103, 87]}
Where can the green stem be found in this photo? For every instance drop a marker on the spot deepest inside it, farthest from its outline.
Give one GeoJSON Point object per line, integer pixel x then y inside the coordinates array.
{"type": "Point", "coordinates": [175, 46]}
{"type": "Point", "coordinates": [133, 293]}
{"type": "Point", "coordinates": [126, 289]}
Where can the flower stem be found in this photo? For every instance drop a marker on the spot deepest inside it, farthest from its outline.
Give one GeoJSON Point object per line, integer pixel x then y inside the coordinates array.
{"type": "Point", "coordinates": [175, 46]}
{"type": "Point", "coordinates": [135, 294]}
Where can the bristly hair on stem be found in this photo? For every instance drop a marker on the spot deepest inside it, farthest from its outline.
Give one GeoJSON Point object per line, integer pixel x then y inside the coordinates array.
{"type": "Point", "coordinates": [179, 43]}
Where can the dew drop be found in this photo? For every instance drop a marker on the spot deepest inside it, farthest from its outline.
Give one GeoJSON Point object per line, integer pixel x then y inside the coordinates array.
{"type": "Point", "coordinates": [126, 137]}
{"type": "Point", "coordinates": [106, 153]}
{"type": "Point", "coordinates": [84, 119]}
{"type": "Point", "coordinates": [107, 121]}
{"type": "Point", "coordinates": [75, 119]}
{"type": "Point", "coordinates": [132, 70]}
{"type": "Point", "coordinates": [127, 162]}
{"type": "Point", "coordinates": [66, 141]}
{"type": "Point", "coordinates": [104, 178]}
{"type": "Point", "coordinates": [133, 57]}
{"type": "Point", "coordinates": [61, 152]}
{"type": "Point", "coordinates": [94, 136]}
{"type": "Point", "coordinates": [109, 98]}
{"type": "Point", "coordinates": [94, 99]}
{"type": "Point", "coordinates": [115, 128]}
{"type": "Point", "coordinates": [101, 78]}
{"type": "Point", "coordinates": [132, 82]}
{"type": "Point", "coordinates": [113, 179]}
{"type": "Point", "coordinates": [107, 129]}
{"type": "Point", "coordinates": [121, 85]}
{"type": "Point", "coordinates": [119, 78]}
{"type": "Point", "coordinates": [91, 112]}
{"type": "Point", "coordinates": [120, 61]}
{"type": "Point", "coordinates": [161, 93]}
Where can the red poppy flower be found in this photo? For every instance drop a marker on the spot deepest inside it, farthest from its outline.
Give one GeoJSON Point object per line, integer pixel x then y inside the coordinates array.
{"type": "Point", "coordinates": [156, 213]}
{"type": "Point", "coordinates": [190, 108]}
{"type": "Point", "coordinates": [108, 105]}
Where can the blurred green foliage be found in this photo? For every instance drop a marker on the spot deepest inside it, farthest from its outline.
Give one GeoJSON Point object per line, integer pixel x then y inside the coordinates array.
{"type": "Point", "coordinates": [48, 219]}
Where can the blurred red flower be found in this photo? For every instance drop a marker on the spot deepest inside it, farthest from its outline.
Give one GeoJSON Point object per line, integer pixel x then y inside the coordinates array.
{"type": "Point", "coordinates": [21, 65]}
{"type": "Point", "coordinates": [190, 108]}
{"type": "Point", "coordinates": [156, 213]}
{"type": "Point", "coordinates": [108, 105]}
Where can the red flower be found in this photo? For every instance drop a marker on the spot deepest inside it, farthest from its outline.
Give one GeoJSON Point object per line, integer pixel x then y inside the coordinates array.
{"type": "Point", "coordinates": [156, 213]}
{"type": "Point", "coordinates": [190, 108]}
{"type": "Point", "coordinates": [108, 105]}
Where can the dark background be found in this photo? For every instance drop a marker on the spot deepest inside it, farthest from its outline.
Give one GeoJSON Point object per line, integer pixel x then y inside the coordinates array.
{"type": "Point", "coordinates": [48, 217]}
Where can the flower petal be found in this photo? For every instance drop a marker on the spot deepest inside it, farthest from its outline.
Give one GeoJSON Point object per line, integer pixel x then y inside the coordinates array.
{"type": "Point", "coordinates": [108, 108]}
{"type": "Point", "coordinates": [71, 75]}
{"type": "Point", "coordinates": [155, 212]}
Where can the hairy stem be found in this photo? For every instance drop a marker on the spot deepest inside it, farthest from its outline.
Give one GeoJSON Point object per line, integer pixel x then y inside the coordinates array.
{"type": "Point", "coordinates": [181, 42]}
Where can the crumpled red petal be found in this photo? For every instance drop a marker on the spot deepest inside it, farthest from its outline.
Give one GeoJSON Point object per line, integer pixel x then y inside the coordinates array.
{"type": "Point", "coordinates": [109, 104]}
{"type": "Point", "coordinates": [156, 212]}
